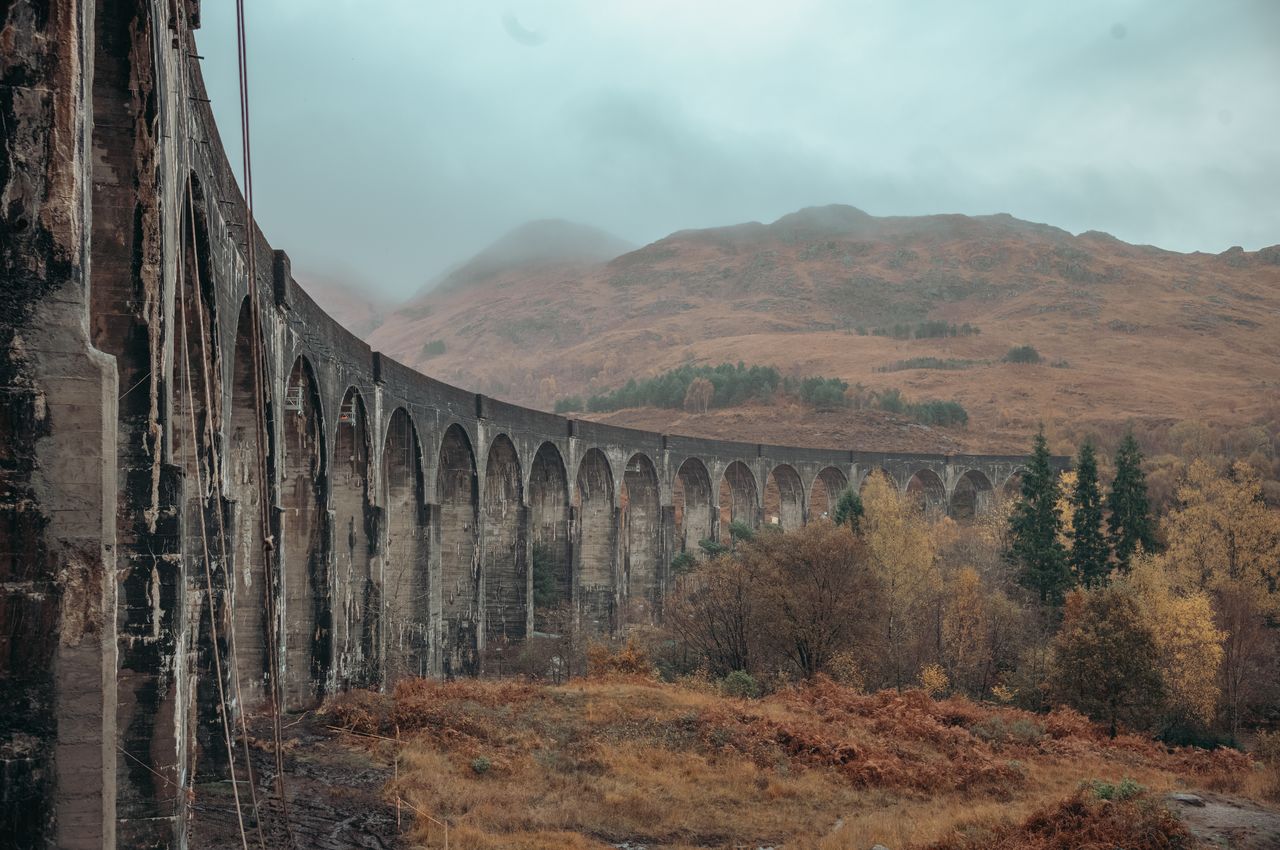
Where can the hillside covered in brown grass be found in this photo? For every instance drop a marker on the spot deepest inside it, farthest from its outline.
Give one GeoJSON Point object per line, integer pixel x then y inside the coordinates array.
{"type": "Point", "coordinates": [1127, 332]}
{"type": "Point", "coordinates": [631, 762]}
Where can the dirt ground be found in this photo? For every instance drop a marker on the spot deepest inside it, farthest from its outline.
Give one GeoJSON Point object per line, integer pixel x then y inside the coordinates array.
{"type": "Point", "coordinates": [1230, 822]}
{"type": "Point", "coordinates": [335, 794]}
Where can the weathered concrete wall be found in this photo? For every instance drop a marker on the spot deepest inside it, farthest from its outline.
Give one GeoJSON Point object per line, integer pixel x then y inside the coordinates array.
{"type": "Point", "coordinates": [213, 494]}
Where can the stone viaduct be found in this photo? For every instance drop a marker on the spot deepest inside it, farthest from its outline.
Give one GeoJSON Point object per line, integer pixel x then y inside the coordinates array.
{"type": "Point", "coordinates": [138, 452]}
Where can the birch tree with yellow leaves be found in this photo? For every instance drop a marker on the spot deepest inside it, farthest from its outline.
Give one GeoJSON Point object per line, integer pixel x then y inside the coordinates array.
{"type": "Point", "coordinates": [1223, 540]}
{"type": "Point", "coordinates": [901, 553]}
{"type": "Point", "coordinates": [1189, 645]}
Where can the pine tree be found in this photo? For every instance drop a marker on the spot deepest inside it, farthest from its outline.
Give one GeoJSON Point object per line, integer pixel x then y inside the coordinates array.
{"type": "Point", "coordinates": [1033, 530]}
{"type": "Point", "coordinates": [1089, 549]}
{"type": "Point", "coordinates": [849, 509]}
{"type": "Point", "coordinates": [1129, 524]}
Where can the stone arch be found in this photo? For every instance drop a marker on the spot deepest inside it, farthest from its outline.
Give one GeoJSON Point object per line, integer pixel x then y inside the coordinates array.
{"type": "Point", "coordinates": [784, 498]}
{"type": "Point", "coordinates": [354, 534]}
{"type": "Point", "coordinates": [641, 524]}
{"type": "Point", "coordinates": [244, 466]}
{"type": "Point", "coordinates": [504, 573]}
{"type": "Point", "coordinates": [876, 470]}
{"type": "Point", "coordinates": [972, 495]}
{"type": "Point", "coordinates": [694, 514]}
{"type": "Point", "coordinates": [596, 536]}
{"type": "Point", "coordinates": [927, 489]}
{"type": "Point", "coordinates": [1012, 486]}
{"type": "Point", "coordinates": [457, 490]}
{"type": "Point", "coordinates": [825, 491]}
{"type": "Point", "coordinates": [739, 498]}
{"type": "Point", "coordinates": [548, 495]}
{"type": "Point", "coordinates": [405, 640]}
{"type": "Point", "coordinates": [308, 613]}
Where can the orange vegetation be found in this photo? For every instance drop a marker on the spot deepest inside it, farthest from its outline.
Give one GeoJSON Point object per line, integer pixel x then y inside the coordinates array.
{"type": "Point", "coordinates": [602, 761]}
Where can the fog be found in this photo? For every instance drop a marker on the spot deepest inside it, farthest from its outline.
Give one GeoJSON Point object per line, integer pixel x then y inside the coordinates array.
{"type": "Point", "coordinates": [393, 139]}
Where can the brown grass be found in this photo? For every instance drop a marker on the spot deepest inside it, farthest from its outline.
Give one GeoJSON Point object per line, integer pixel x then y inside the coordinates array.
{"type": "Point", "coordinates": [608, 760]}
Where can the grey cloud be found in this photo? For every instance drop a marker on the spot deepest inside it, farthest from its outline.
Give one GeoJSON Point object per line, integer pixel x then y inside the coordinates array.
{"type": "Point", "coordinates": [396, 138]}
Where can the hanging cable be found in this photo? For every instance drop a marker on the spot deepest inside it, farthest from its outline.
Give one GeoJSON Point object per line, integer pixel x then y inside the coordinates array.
{"type": "Point", "coordinates": [204, 548]}
{"type": "Point", "coordinates": [260, 402]}
{"type": "Point", "coordinates": [217, 475]}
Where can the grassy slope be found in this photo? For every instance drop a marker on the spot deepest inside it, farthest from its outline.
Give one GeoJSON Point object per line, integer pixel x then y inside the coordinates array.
{"type": "Point", "coordinates": [1145, 333]}
{"type": "Point", "coordinates": [598, 762]}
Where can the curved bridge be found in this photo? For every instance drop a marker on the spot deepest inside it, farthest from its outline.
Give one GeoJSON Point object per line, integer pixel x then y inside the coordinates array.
{"type": "Point", "coordinates": [407, 518]}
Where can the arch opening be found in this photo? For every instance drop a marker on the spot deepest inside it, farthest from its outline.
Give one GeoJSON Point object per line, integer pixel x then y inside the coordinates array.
{"type": "Point", "coordinates": [784, 498]}
{"type": "Point", "coordinates": [972, 495]}
{"type": "Point", "coordinates": [505, 569]}
{"type": "Point", "coordinates": [641, 523]}
{"type": "Point", "coordinates": [250, 573]}
{"type": "Point", "coordinates": [691, 496]}
{"type": "Point", "coordinates": [405, 572]}
{"type": "Point", "coordinates": [354, 536]}
{"type": "Point", "coordinates": [739, 498]}
{"type": "Point", "coordinates": [457, 489]}
{"type": "Point", "coordinates": [826, 490]}
{"type": "Point", "coordinates": [596, 536]}
{"type": "Point", "coordinates": [927, 489]}
{"type": "Point", "coordinates": [308, 612]}
{"type": "Point", "coordinates": [1012, 487]}
{"type": "Point", "coordinates": [549, 529]}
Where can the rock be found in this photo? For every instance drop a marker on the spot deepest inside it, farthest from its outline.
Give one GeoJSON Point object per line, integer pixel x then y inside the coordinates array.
{"type": "Point", "coordinates": [1187, 799]}
{"type": "Point", "coordinates": [879, 847]}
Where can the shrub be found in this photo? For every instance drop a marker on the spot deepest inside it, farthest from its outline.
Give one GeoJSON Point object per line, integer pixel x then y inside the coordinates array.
{"type": "Point", "coordinates": [712, 547]}
{"type": "Point", "coordinates": [849, 509]}
{"type": "Point", "coordinates": [891, 400]}
{"type": "Point", "coordinates": [630, 660]}
{"type": "Point", "coordinates": [740, 530]}
{"type": "Point", "coordinates": [433, 349]}
{"type": "Point", "coordinates": [740, 683]}
{"type": "Point", "coordinates": [822, 393]}
{"type": "Point", "coordinates": [947, 364]}
{"type": "Point", "coordinates": [572, 404]}
{"type": "Point", "coordinates": [934, 412]}
{"type": "Point", "coordinates": [682, 563]}
{"type": "Point", "coordinates": [731, 384]}
{"type": "Point", "coordinates": [481, 765]}
{"type": "Point", "coordinates": [1267, 753]}
{"type": "Point", "coordinates": [933, 680]}
{"type": "Point", "coordinates": [1022, 354]}
{"type": "Point", "coordinates": [546, 589]}
{"type": "Point", "coordinates": [1127, 789]}
{"type": "Point", "coordinates": [1081, 820]}
{"type": "Point", "coordinates": [997, 729]}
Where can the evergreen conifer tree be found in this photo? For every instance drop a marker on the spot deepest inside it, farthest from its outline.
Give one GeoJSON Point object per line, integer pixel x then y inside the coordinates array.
{"type": "Point", "coordinates": [1090, 552]}
{"type": "Point", "coordinates": [1129, 523]}
{"type": "Point", "coordinates": [1034, 527]}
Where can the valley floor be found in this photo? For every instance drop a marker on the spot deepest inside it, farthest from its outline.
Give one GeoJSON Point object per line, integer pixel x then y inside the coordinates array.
{"type": "Point", "coordinates": [628, 762]}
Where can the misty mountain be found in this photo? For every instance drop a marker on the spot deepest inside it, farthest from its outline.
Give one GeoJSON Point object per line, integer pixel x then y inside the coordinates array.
{"type": "Point", "coordinates": [535, 245]}
{"type": "Point", "coordinates": [837, 292]}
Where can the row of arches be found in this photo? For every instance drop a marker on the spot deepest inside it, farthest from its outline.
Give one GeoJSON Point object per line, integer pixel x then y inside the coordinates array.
{"type": "Point", "coordinates": [377, 583]}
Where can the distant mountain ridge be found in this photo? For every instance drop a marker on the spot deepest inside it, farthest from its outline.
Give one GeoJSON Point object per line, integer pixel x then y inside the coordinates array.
{"type": "Point", "coordinates": [1135, 331]}
{"type": "Point", "coordinates": [536, 244]}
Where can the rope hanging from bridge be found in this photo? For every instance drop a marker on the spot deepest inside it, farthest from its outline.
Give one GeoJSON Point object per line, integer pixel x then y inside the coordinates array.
{"type": "Point", "coordinates": [260, 401]}
{"type": "Point", "coordinates": [194, 451]}
{"type": "Point", "coordinates": [217, 475]}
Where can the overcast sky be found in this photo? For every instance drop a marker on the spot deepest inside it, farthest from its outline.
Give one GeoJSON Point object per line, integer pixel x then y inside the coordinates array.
{"type": "Point", "coordinates": [394, 138]}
